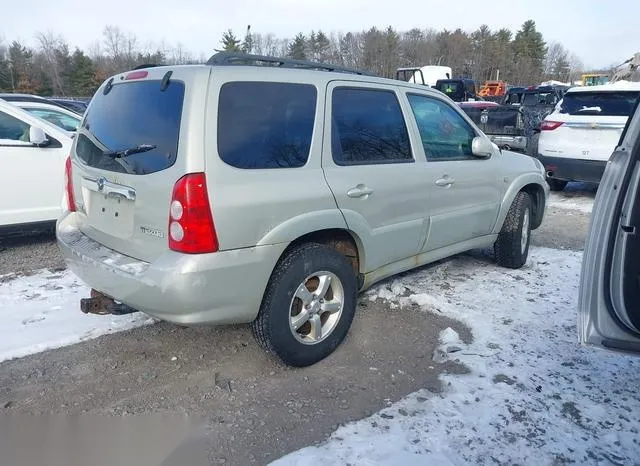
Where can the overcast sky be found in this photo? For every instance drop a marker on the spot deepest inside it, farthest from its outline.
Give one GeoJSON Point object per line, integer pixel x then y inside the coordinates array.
{"type": "Point", "coordinates": [600, 32]}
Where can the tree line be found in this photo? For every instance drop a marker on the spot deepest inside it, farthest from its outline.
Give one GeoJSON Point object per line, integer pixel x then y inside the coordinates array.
{"type": "Point", "coordinates": [520, 58]}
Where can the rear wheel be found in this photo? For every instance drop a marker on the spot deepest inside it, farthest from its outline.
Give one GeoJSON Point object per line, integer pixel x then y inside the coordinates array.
{"type": "Point", "coordinates": [308, 306]}
{"type": "Point", "coordinates": [556, 185]}
{"type": "Point", "coordinates": [511, 249]}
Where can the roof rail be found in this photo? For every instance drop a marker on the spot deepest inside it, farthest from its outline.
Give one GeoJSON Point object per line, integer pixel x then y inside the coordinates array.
{"type": "Point", "coordinates": [239, 59]}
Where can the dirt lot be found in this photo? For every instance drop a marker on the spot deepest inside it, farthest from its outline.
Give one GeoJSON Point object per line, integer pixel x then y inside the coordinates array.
{"type": "Point", "coordinates": [255, 409]}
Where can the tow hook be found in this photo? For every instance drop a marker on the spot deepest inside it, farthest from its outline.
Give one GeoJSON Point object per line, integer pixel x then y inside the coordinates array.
{"type": "Point", "coordinates": [101, 304]}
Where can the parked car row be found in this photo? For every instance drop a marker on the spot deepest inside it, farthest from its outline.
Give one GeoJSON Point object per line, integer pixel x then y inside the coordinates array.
{"type": "Point", "coordinates": [309, 182]}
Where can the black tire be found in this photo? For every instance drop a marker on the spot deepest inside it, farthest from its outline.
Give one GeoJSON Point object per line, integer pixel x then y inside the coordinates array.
{"type": "Point", "coordinates": [508, 247]}
{"type": "Point", "coordinates": [272, 326]}
{"type": "Point", "coordinates": [556, 185]}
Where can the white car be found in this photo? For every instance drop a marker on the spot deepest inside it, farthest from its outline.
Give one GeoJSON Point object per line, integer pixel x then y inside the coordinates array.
{"type": "Point", "coordinates": [577, 139]}
{"type": "Point", "coordinates": [32, 157]}
{"type": "Point", "coordinates": [61, 117]}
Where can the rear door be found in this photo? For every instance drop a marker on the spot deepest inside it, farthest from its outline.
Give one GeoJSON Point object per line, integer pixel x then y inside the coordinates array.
{"type": "Point", "coordinates": [142, 132]}
{"type": "Point", "coordinates": [31, 177]}
{"type": "Point", "coordinates": [609, 302]}
{"type": "Point", "coordinates": [371, 169]}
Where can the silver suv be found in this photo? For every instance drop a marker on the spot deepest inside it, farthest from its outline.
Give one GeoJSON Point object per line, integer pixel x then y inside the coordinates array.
{"type": "Point", "coordinates": [270, 191]}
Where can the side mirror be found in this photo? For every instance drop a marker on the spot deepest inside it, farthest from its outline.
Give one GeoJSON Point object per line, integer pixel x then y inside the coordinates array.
{"type": "Point", "coordinates": [37, 137]}
{"type": "Point", "coordinates": [482, 147]}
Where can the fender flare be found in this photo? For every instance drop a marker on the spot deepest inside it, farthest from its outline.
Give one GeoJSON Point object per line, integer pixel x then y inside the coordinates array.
{"type": "Point", "coordinates": [515, 187]}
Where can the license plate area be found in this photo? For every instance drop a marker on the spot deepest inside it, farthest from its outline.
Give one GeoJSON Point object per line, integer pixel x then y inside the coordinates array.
{"type": "Point", "coordinates": [111, 215]}
{"type": "Point", "coordinates": [109, 207]}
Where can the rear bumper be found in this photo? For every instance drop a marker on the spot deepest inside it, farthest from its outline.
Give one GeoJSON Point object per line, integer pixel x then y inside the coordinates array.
{"type": "Point", "coordinates": [510, 142]}
{"type": "Point", "coordinates": [569, 169]}
{"type": "Point", "coordinates": [220, 288]}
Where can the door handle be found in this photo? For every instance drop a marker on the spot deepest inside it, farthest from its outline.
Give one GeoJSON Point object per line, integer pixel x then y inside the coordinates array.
{"type": "Point", "coordinates": [444, 182]}
{"type": "Point", "coordinates": [359, 191]}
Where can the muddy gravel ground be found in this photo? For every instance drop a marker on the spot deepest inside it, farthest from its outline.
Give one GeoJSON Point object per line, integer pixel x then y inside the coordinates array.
{"type": "Point", "coordinates": [254, 409]}
{"type": "Point", "coordinates": [34, 251]}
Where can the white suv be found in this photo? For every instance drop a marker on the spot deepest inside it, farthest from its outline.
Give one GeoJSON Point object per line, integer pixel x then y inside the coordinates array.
{"type": "Point", "coordinates": [577, 139]}
{"type": "Point", "coordinates": [32, 158]}
{"type": "Point", "coordinates": [231, 192]}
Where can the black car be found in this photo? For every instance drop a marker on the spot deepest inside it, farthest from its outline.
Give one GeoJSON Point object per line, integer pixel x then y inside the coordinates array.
{"type": "Point", "coordinates": [78, 106]}
{"type": "Point", "coordinates": [458, 89]}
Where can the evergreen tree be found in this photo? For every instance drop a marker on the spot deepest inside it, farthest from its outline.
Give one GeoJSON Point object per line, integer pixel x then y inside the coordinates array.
{"type": "Point", "coordinates": [81, 78]}
{"type": "Point", "coordinates": [6, 72]}
{"type": "Point", "coordinates": [297, 48]}
{"type": "Point", "coordinates": [230, 43]}
{"type": "Point", "coordinates": [530, 45]}
{"type": "Point", "coordinates": [320, 47]}
{"type": "Point", "coordinates": [248, 43]}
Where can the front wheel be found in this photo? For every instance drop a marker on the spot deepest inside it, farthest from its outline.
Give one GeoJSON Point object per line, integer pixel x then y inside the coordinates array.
{"type": "Point", "coordinates": [511, 249]}
{"type": "Point", "coordinates": [308, 306]}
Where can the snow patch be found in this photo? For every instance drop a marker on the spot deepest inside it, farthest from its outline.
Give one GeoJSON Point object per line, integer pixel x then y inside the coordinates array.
{"type": "Point", "coordinates": [42, 312]}
{"type": "Point", "coordinates": [534, 395]}
{"type": "Point", "coordinates": [566, 201]}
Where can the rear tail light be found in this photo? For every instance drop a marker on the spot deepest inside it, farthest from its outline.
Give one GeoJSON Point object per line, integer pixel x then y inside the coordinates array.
{"type": "Point", "coordinates": [68, 183]}
{"type": "Point", "coordinates": [191, 228]}
{"type": "Point", "coordinates": [547, 125]}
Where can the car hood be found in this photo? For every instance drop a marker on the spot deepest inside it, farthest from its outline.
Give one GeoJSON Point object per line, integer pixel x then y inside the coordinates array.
{"type": "Point", "coordinates": [515, 163]}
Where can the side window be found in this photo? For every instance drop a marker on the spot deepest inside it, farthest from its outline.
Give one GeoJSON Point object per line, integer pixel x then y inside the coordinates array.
{"type": "Point", "coordinates": [445, 134]}
{"type": "Point", "coordinates": [61, 120]}
{"type": "Point", "coordinates": [13, 131]}
{"type": "Point", "coordinates": [368, 127]}
{"type": "Point", "coordinates": [266, 125]}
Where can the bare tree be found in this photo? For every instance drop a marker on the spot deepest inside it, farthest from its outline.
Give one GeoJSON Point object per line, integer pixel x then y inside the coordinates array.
{"type": "Point", "coordinates": [55, 51]}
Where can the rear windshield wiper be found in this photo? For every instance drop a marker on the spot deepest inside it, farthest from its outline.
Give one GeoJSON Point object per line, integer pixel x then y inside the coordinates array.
{"type": "Point", "coordinates": [116, 154]}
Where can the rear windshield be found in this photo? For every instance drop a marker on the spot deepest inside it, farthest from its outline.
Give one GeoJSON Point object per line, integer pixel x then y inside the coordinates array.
{"type": "Point", "coordinates": [133, 115]}
{"type": "Point", "coordinates": [599, 103]}
{"type": "Point", "coordinates": [539, 98]}
{"type": "Point", "coordinates": [449, 88]}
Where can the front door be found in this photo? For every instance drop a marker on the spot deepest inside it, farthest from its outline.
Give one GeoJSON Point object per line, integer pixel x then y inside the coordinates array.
{"type": "Point", "coordinates": [370, 167]}
{"type": "Point", "coordinates": [31, 177]}
{"type": "Point", "coordinates": [464, 190]}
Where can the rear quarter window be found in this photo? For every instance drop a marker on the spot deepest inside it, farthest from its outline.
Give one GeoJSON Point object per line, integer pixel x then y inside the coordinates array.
{"type": "Point", "coordinates": [266, 124]}
{"type": "Point", "coordinates": [608, 103]}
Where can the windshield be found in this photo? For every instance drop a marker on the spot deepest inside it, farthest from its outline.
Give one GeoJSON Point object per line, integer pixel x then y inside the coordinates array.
{"type": "Point", "coordinates": [539, 98]}
{"type": "Point", "coordinates": [513, 98]}
{"type": "Point", "coordinates": [448, 88]}
{"type": "Point", "coordinates": [599, 103]}
{"type": "Point", "coordinates": [61, 120]}
{"type": "Point", "coordinates": [132, 115]}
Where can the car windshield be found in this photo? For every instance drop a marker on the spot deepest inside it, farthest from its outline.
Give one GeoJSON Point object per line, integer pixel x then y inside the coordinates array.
{"type": "Point", "coordinates": [448, 88]}
{"type": "Point", "coordinates": [513, 98]}
{"type": "Point", "coordinates": [132, 115]}
{"type": "Point", "coordinates": [539, 98]}
{"type": "Point", "coordinates": [619, 103]}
